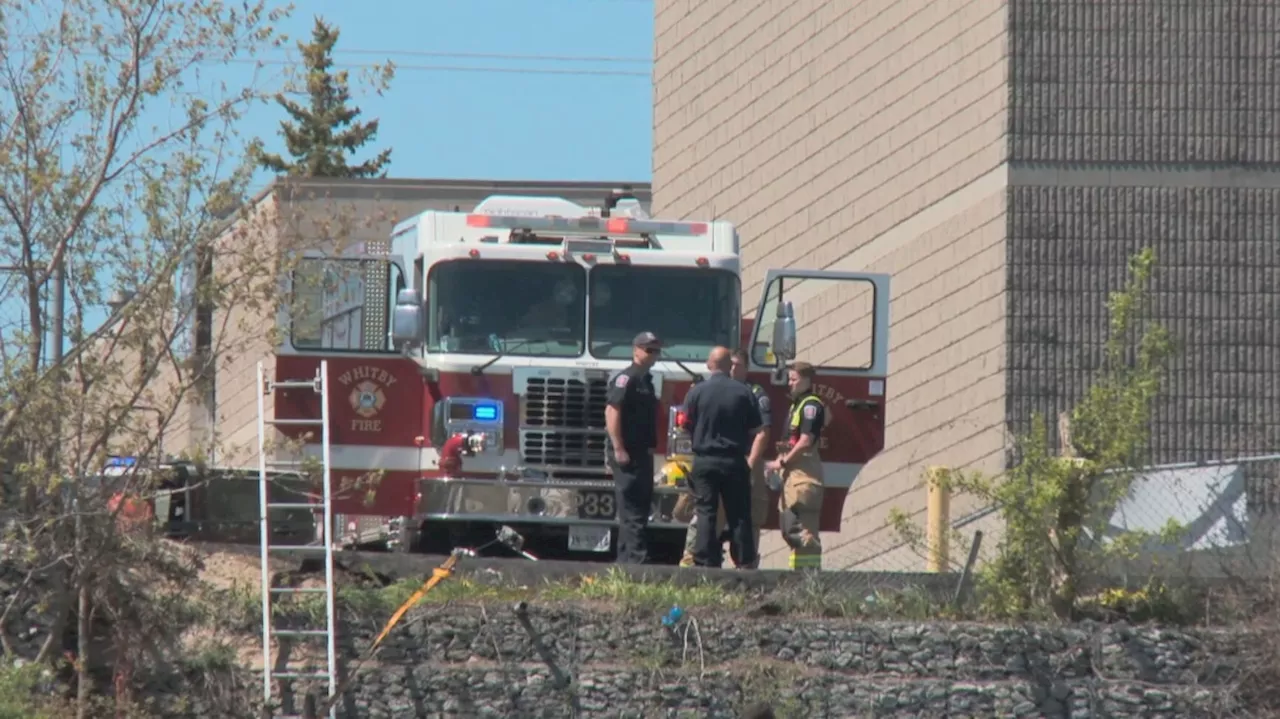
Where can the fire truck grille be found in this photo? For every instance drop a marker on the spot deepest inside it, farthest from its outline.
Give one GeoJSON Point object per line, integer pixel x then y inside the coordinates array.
{"type": "Point", "coordinates": [564, 403]}
{"type": "Point", "coordinates": [568, 450]}
{"type": "Point", "coordinates": [562, 422]}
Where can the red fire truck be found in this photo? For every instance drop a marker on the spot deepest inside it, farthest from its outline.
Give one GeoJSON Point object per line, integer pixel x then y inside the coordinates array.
{"type": "Point", "coordinates": [468, 364]}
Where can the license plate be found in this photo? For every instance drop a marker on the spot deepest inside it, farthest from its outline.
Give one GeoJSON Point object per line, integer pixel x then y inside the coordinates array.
{"type": "Point", "coordinates": [589, 539]}
{"type": "Point", "coordinates": [597, 505]}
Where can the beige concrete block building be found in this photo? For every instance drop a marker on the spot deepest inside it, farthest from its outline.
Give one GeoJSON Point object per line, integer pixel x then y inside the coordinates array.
{"type": "Point", "coordinates": [1001, 159]}
{"type": "Point", "coordinates": [841, 135]}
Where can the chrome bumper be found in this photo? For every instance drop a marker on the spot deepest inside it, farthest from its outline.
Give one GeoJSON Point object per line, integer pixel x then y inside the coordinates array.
{"type": "Point", "coordinates": [533, 501]}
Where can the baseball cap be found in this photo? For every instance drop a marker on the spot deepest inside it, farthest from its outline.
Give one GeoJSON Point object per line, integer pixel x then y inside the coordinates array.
{"type": "Point", "coordinates": [646, 339]}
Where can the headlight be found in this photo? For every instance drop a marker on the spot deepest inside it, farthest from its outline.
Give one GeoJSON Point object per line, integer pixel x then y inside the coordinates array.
{"type": "Point", "coordinates": [478, 416]}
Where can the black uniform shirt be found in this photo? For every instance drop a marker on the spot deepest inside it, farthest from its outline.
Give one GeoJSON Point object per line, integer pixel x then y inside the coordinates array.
{"type": "Point", "coordinates": [762, 404]}
{"type": "Point", "coordinates": [723, 413]}
{"type": "Point", "coordinates": [631, 392]}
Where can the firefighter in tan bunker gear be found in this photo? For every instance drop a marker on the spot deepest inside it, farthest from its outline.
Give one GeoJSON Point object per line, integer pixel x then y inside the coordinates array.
{"type": "Point", "coordinates": [801, 504]}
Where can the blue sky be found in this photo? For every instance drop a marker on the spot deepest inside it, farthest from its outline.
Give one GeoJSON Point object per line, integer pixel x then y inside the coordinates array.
{"type": "Point", "coordinates": [448, 123]}
{"type": "Point", "coordinates": [450, 112]}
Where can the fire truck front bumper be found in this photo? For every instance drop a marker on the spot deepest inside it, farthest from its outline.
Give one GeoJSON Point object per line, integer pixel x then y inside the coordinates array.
{"type": "Point", "coordinates": [574, 503]}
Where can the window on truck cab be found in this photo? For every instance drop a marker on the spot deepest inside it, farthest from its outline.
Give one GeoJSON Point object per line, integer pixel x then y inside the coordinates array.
{"type": "Point", "coordinates": [691, 309]}
{"type": "Point", "coordinates": [343, 304]}
{"type": "Point", "coordinates": [515, 307]}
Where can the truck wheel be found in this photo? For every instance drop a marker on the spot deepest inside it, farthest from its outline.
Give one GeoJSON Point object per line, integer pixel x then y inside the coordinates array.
{"type": "Point", "coordinates": [436, 540]}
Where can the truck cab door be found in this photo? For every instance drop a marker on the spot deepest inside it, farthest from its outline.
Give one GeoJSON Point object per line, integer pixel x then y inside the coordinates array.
{"type": "Point", "coordinates": [839, 323]}
{"type": "Point", "coordinates": [340, 305]}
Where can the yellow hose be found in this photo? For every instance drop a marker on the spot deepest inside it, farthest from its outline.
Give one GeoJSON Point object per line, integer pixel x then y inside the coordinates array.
{"type": "Point", "coordinates": [439, 574]}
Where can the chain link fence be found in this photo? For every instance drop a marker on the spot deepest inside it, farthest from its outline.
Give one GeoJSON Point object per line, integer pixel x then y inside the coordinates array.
{"type": "Point", "coordinates": [1201, 520]}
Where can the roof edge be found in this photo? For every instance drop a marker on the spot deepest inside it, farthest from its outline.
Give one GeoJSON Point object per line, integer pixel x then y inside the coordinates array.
{"type": "Point", "coordinates": [347, 188]}
{"type": "Point", "coordinates": [337, 184]}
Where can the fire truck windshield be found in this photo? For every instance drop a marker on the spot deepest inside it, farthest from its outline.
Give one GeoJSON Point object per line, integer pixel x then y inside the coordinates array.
{"type": "Point", "coordinates": [507, 307]}
{"type": "Point", "coordinates": [691, 309]}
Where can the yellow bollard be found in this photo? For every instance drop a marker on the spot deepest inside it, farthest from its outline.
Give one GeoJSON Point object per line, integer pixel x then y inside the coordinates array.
{"type": "Point", "coordinates": [938, 519]}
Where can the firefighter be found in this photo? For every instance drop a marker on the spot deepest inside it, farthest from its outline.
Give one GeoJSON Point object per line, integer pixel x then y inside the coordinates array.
{"type": "Point", "coordinates": [760, 445]}
{"type": "Point", "coordinates": [686, 512]}
{"type": "Point", "coordinates": [723, 418]}
{"type": "Point", "coordinates": [631, 418]}
{"type": "Point", "coordinates": [801, 468]}
{"type": "Point", "coordinates": [755, 462]}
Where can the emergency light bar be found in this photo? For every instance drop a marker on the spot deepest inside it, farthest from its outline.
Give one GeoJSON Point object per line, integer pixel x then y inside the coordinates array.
{"type": "Point", "coordinates": [606, 225]}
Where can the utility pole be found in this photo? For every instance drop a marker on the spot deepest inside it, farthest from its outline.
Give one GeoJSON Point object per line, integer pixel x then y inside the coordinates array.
{"type": "Point", "coordinates": [57, 331]}
{"type": "Point", "coordinates": [59, 319]}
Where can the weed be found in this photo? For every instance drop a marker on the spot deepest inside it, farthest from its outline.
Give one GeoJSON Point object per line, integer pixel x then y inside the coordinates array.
{"type": "Point", "coordinates": [20, 687]}
{"type": "Point", "coordinates": [616, 587]}
{"type": "Point", "coordinates": [240, 606]}
{"type": "Point", "coordinates": [770, 682]}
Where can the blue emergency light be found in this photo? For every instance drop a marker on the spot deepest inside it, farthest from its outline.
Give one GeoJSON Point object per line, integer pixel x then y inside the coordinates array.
{"type": "Point", "coordinates": [122, 461]}
{"type": "Point", "coordinates": [484, 412]}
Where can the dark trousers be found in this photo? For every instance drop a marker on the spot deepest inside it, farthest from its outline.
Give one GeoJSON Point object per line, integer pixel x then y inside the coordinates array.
{"type": "Point", "coordinates": [728, 480]}
{"type": "Point", "coordinates": [634, 485]}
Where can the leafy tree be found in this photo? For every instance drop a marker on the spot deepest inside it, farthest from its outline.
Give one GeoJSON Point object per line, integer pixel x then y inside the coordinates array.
{"type": "Point", "coordinates": [117, 167]}
{"type": "Point", "coordinates": [324, 132]}
{"type": "Point", "coordinates": [1056, 508]}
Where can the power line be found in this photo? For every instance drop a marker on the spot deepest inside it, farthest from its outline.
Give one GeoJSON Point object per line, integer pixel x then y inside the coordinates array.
{"type": "Point", "coordinates": [462, 68]}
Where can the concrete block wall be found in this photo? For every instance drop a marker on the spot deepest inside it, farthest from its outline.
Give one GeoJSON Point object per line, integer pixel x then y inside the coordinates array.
{"type": "Point", "coordinates": [302, 218]}
{"type": "Point", "coordinates": [1044, 142]}
{"type": "Point", "coordinates": [859, 136]}
{"type": "Point", "coordinates": [241, 336]}
{"type": "Point", "coordinates": [1149, 123]}
{"type": "Point", "coordinates": [1145, 81]}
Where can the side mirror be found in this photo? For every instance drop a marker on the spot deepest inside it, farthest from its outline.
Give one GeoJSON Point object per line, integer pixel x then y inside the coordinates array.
{"type": "Point", "coordinates": [406, 319]}
{"type": "Point", "coordinates": [784, 341]}
{"type": "Point", "coordinates": [784, 334]}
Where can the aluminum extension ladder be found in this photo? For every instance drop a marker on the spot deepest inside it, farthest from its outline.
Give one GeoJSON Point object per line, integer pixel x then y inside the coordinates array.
{"type": "Point", "coordinates": [267, 467]}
